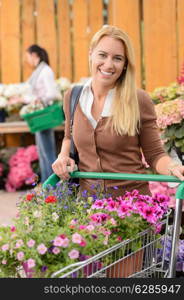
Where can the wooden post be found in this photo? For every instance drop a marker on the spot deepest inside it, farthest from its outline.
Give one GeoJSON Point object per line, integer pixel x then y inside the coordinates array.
{"type": "Point", "coordinates": [10, 41]}
{"type": "Point", "coordinates": [160, 44]}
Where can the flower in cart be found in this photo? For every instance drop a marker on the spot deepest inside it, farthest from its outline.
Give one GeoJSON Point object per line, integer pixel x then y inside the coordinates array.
{"type": "Point", "coordinates": [132, 212]}
{"type": "Point", "coordinates": [83, 228]}
{"type": "Point", "coordinates": [165, 253]}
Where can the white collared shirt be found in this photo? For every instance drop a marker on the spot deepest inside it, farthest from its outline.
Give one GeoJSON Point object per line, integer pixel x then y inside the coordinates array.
{"type": "Point", "coordinates": [43, 84]}
{"type": "Point", "coordinates": [86, 101]}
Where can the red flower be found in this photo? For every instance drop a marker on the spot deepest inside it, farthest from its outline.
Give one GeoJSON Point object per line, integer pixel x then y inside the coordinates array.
{"type": "Point", "coordinates": [13, 228]}
{"type": "Point", "coordinates": [51, 199]}
{"type": "Point", "coordinates": [62, 236]}
{"type": "Point", "coordinates": [71, 226]}
{"type": "Point", "coordinates": [83, 243]}
{"type": "Point", "coordinates": [29, 197]}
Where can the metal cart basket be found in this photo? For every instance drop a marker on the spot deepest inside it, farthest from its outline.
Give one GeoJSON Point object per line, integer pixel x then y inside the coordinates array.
{"type": "Point", "coordinates": [126, 259]}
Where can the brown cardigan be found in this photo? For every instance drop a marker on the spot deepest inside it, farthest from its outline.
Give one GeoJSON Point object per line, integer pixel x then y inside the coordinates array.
{"type": "Point", "coordinates": [101, 151]}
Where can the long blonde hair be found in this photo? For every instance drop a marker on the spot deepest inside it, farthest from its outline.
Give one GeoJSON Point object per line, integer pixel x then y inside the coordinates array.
{"type": "Point", "coordinates": [125, 117]}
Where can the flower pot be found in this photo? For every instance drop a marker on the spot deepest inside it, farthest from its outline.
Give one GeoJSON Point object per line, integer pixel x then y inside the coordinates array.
{"type": "Point", "coordinates": [127, 266]}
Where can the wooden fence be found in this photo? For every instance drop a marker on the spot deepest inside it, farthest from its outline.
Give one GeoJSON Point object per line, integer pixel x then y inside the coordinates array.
{"type": "Point", "coordinates": [65, 27]}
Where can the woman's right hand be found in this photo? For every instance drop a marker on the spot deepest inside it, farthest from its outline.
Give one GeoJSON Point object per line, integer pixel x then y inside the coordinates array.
{"type": "Point", "coordinates": [62, 166]}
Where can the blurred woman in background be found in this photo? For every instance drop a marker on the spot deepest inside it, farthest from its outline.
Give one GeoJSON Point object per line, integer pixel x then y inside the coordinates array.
{"type": "Point", "coordinates": [44, 89]}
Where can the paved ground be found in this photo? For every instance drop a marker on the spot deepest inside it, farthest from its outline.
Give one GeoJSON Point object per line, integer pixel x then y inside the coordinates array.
{"type": "Point", "coordinates": [8, 207]}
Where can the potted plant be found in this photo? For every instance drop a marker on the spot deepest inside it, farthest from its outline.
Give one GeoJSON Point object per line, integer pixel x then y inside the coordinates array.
{"type": "Point", "coordinates": [55, 228]}
{"type": "Point", "coordinates": [170, 119]}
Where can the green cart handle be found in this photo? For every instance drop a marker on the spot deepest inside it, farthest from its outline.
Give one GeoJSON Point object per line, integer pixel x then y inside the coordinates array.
{"type": "Point", "coordinates": [53, 179]}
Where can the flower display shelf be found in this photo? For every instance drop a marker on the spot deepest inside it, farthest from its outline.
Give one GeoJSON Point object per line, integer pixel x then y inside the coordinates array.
{"type": "Point", "coordinates": [137, 257]}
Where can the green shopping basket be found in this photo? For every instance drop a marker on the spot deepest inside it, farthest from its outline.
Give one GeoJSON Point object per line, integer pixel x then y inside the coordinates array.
{"type": "Point", "coordinates": [53, 179]}
{"type": "Point", "coordinates": [46, 118]}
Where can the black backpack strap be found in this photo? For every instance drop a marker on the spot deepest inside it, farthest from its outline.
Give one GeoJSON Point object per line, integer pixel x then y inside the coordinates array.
{"type": "Point", "coordinates": [74, 99]}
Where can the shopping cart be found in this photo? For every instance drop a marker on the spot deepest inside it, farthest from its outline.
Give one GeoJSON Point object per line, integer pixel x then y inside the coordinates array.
{"type": "Point", "coordinates": [124, 259]}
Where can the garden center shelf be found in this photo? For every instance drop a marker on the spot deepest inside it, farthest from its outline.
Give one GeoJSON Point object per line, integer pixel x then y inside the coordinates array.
{"type": "Point", "coordinates": [122, 260]}
{"type": "Point", "coordinates": [19, 127]}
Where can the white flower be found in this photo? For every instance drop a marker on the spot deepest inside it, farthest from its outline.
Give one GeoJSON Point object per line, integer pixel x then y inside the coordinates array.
{"type": "Point", "coordinates": [16, 89]}
{"type": "Point", "coordinates": [26, 221]}
{"type": "Point", "coordinates": [3, 102]}
{"type": "Point", "coordinates": [37, 214]}
{"type": "Point", "coordinates": [55, 216]}
{"type": "Point", "coordinates": [29, 108]}
{"type": "Point", "coordinates": [63, 83]}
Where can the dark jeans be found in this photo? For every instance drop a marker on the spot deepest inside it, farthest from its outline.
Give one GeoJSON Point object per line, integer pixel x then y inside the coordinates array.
{"type": "Point", "coordinates": [45, 141]}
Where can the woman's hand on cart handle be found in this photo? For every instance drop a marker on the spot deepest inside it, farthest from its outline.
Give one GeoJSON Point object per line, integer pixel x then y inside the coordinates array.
{"type": "Point", "coordinates": [62, 166]}
{"type": "Point", "coordinates": [176, 169]}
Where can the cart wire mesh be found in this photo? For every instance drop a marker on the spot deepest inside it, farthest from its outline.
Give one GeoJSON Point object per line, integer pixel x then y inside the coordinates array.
{"type": "Point", "coordinates": [133, 258]}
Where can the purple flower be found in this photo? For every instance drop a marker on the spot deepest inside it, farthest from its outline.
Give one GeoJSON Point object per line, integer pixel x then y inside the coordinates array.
{"type": "Point", "coordinates": [83, 257]}
{"type": "Point", "coordinates": [94, 197]}
{"type": "Point", "coordinates": [44, 268]}
{"type": "Point", "coordinates": [167, 253]}
{"type": "Point", "coordinates": [84, 193]}
{"type": "Point", "coordinates": [94, 236]}
{"type": "Point", "coordinates": [50, 249]}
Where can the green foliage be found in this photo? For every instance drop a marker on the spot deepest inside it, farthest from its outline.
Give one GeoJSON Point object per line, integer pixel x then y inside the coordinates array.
{"type": "Point", "coordinates": [174, 136]}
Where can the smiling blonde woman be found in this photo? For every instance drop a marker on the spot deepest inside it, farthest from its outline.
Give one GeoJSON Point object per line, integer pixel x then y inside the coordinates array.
{"type": "Point", "coordinates": [114, 121]}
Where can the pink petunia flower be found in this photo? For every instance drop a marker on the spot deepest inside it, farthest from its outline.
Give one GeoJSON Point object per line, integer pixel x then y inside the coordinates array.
{"type": "Point", "coordinates": [81, 227]}
{"type": "Point", "coordinates": [19, 243]}
{"type": "Point", "coordinates": [5, 247]}
{"type": "Point", "coordinates": [90, 227]}
{"type": "Point", "coordinates": [61, 242]}
{"type": "Point", "coordinates": [76, 238]}
{"type": "Point", "coordinates": [98, 204]}
{"type": "Point", "coordinates": [73, 254]}
{"type": "Point", "coordinates": [56, 250]}
{"type": "Point", "coordinates": [31, 243]}
{"type": "Point", "coordinates": [20, 255]}
{"type": "Point", "coordinates": [42, 249]}
{"type": "Point", "coordinates": [12, 228]}
{"type": "Point", "coordinates": [4, 262]}
{"type": "Point", "coordinates": [73, 222]}
{"type": "Point", "coordinates": [31, 263]}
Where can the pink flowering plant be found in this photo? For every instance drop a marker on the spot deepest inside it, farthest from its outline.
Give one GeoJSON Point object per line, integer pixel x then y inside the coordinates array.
{"type": "Point", "coordinates": [168, 93]}
{"type": "Point", "coordinates": [18, 168]}
{"type": "Point", "coordinates": [170, 119]}
{"type": "Point", "coordinates": [55, 228]}
{"type": "Point", "coordinates": [170, 113]}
